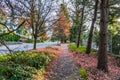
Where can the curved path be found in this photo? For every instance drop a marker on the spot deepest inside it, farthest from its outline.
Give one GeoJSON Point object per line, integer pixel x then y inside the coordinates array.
{"type": "Point", "coordinates": [65, 68]}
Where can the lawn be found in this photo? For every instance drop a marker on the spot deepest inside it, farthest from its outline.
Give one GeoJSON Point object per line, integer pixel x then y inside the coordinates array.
{"type": "Point", "coordinates": [80, 49]}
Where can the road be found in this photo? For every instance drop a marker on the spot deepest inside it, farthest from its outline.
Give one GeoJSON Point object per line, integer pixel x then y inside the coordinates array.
{"type": "Point", "coordinates": [25, 46]}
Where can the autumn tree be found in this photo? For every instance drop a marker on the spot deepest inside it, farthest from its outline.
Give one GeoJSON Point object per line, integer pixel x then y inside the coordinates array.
{"type": "Point", "coordinates": [102, 52]}
{"type": "Point", "coordinates": [38, 12]}
{"type": "Point", "coordinates": [43, 32]}
{"type": "Point", "coordinates": [62, 25]}
{"type": "Point", "coordinates": [8, 13]}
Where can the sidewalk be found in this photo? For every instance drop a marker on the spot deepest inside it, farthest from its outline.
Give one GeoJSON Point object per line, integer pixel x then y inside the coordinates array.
{"type": "Point", "coordinates": [65, 68]}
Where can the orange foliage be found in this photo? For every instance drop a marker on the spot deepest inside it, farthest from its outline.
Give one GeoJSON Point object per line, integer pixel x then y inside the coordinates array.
{"type": "Point", "coordinates": [26, 24]}
{"type": "Point", "coordinates": [2, 13]}
{"type": "Point", "coordinates": [62, 26]}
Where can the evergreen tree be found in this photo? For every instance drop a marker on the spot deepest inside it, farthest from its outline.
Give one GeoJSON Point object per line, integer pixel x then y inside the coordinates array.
{"type": "Point", "coordinates": [89, 43]}
{"type": "Point", "coordinates": [102, 52]}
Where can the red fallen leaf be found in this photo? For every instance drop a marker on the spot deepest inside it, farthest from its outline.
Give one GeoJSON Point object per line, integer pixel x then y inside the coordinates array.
{"type": "Point", "coordinates": [90, 63]}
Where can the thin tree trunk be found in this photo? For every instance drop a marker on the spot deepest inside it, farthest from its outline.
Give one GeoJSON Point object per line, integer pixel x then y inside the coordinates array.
{"type": "Point", "coordinates": [89, 43]}
{"type": "Point", "coordinates": [3, 43]}
{"type": "Point", "coordinates": [80, 27]}
{"type": "Point", "coordinates": [35, 42]}
{"type": "Point", "coordinates": [102, 52]}
{"type": "Point", "coordinates": [35, 36]}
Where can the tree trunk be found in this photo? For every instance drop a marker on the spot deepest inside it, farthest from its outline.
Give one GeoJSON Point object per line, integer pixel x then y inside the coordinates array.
{"type": "Point", "coordinates": [3, 43]}
{"type": "Point", "coordinates": [89, 43]}
{"type": "Point", "coordinates": [102, 52]}
{"type": "Point", "coordinates": [80, 27]}
{"type": "Point", "coordinates": [35, 42]}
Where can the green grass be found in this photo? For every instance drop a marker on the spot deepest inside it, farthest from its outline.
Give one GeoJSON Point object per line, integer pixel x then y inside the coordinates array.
{"type": "Point", "coordinates": [80, 49]}
{"type": "Point", "coordinates": [22, 66]}
{"type": "Point", "coordinates": [83, 74]}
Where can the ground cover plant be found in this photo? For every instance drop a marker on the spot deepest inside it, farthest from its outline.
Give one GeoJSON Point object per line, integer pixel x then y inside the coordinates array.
{"type": "Point", "coordinates": [24, 65]}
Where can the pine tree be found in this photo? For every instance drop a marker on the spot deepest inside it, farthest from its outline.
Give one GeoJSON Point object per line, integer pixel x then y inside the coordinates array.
{"type": "Point", "coordinates": [89, 43]}
{"type": "Point", "coordinates": [102, 52]}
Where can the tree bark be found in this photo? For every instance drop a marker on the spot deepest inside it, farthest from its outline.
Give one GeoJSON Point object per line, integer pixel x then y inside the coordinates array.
{"type": "Point", "coordinates": [3, 43]}
{"type": "Point", "coordinates": [35, 36]}
{"type": "Point", "coordinates": [35, 42]}
{"type": "Point", "coordinates": [89, 43]}
{"type": "Point", "coordinates": [102, 52]}
{"type": "Point", "coordinates": [80, 27]}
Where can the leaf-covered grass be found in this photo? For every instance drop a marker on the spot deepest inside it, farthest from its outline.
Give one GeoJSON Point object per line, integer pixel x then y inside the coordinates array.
{"type": "Point", "coordinates": [22, 66]}
{"type": "Point", "coordinates": [54, 48]}
{"type": "Point", "coordinates": [89, 63]}
{"type": "Point", "coordinates": [82, 49]}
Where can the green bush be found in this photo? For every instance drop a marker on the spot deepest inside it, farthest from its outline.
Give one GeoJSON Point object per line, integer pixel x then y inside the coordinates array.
{"type": "Point", "coordinates": [82, 49]}
{"type": "Point", "coordinates": [11, 37]}
{"type": "Point", "coordinates": [35, 59]}
{"type": "Point", "coordinates": [22, 65]}
{"type": "Point", "coordinates": [72, 46]}
{"type": "Point", "coordinates": [4, 57]}
{"type": "Point", "coordinates": [83, 74]}
{"type": "Point", "coordinates": [39, 61]}
{"type": "Point", "coordinates": [29, 41]}
{"type": "Point", "coordinates": [13, 71]}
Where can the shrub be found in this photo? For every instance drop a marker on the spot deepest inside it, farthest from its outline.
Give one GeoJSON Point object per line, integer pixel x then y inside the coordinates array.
{"type": "Point", "coordinates": [72, 46]}
{"type": "Point", "coordinates": [11, 37]}
{"type": "Point", "coordinates": [35, 59]}
{"type": "Point", "coordinates": [22, 65]}
{"type": "Point", "coordinates": [29, 41]}
{"type": "Point", "coordinates": [14, 71]}
{"type": "Point", "coordinates": [3, 58]}
{"type": "Point", "coordinates": [39, 61]}
{"type": "Point", "coordinates": [82, 49]}
{"type": "Point", "coordinates": [83, 74]}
